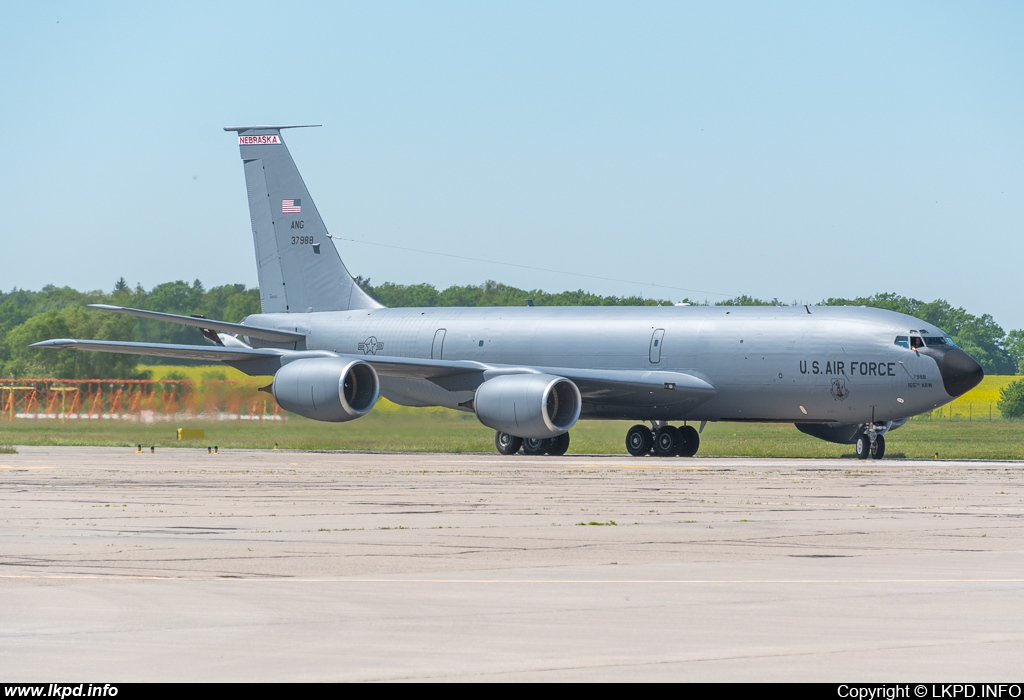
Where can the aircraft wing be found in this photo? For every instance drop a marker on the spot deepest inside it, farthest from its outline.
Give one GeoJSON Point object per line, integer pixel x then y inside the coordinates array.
{"type": "Point", "coordinates": [637, 387]}
{"type": "Point", "coordinates": [266, 361]}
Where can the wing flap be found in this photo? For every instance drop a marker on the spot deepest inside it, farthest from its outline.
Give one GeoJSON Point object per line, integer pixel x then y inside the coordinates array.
{"type": "Point", "coordinates": [639, 387]}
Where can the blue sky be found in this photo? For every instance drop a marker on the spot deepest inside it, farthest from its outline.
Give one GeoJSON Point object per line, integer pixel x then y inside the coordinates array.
{"type": "Point", "coordinates": [790, 150]}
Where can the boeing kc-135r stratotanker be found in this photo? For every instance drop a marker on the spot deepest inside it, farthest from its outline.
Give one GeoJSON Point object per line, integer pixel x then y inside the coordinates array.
{"type": "Point", "coordinates": [847, 375]}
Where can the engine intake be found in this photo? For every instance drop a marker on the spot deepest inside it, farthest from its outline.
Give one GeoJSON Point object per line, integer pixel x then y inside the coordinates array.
{"type": "Point", "coordinates": [528, 405]}
{"type": "Point", "coordinates": [327, 389]}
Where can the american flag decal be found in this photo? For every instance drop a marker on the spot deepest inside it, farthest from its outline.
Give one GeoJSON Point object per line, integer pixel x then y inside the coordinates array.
{"type": "Point", "coordinates": [291, 206]}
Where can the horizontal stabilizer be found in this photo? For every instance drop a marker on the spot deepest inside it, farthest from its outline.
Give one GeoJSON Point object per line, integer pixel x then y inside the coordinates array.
{"type": "Point", "coordinates": [215, 353]}
{"type": "Point", "coordinates": [262, 127]}
{"type": "Point", "coordinates": [273, 335]}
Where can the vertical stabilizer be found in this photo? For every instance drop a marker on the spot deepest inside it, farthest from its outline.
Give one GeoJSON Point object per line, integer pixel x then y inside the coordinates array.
{"type": "Point", "coordinates": [299, 267]}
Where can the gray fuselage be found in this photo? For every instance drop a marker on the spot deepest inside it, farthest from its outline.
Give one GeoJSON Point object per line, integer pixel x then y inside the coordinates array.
{"type": "Point", "coordinates": [793, 364]}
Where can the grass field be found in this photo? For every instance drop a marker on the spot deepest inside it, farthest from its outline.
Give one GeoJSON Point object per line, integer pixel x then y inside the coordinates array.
{"type": "Point", "coordinates": [968, 434]}
{"type": "Point", "coordinates": [394, 428]}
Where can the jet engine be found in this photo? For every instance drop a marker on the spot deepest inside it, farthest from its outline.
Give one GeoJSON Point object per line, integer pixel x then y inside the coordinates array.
{"type": "Point", "coordinates": [528, 405]}
{"type": "Point", "coordinates": [327, 388]}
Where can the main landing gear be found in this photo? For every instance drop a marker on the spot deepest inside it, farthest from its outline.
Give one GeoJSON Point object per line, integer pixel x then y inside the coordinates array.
{"type": "Point", "coordinates": [662, 440]}
{"type": "Point", "coordinates": [510, 444]}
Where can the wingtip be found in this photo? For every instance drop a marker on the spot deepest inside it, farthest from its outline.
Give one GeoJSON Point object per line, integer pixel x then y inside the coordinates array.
{"type": "Point", "coordinates": [53, 343]}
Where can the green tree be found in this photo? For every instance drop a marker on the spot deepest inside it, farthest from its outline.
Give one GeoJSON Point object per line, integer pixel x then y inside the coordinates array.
{"type": "Point", "coordinates": [979, 336]}
{"type": "Point", "coordinates": [744, 300]}
{"type": "Point", "coordinates": [177, 297]}
{"type": "Point", "coordinates": [242, 304]}
{"type": "Point", "coordinates": [215, 300]}
{"type": "Point", "coordinates": [1011, 399]}
{"type": "Point", "coordinates": [70, 322]}
{"type": "Point", "coordinates": [491, 293]}
{"type": "Point", "coordinates": [1013, 343]}
{"type": "Point", "coordinates": [401, 295]}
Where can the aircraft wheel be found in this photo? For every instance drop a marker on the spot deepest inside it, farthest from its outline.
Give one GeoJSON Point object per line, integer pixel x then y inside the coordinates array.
{"type": "Point", "coordinates": [639, 440]}
{"type": "Point", "coordinates": [536, 446]}
{"type": "Point", "coordinates": [667, 441]}
{"type": "Point", "coordinates": [559, 445]}
{"type": "Point", "coordinates": [691, 441]}
{"type": "Point", "coordinates": [507, 444]}
{"type": "Point", "coordinates": [879, 450]}
{"type": "Point", "coordinates": [863, 447]}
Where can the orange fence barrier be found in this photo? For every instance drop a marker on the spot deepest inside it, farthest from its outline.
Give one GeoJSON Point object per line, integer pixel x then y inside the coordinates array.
{"type": "Point", "coordinates": [145, 400]}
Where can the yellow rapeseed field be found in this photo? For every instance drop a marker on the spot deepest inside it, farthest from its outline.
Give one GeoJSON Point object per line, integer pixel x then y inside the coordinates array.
{"type": "Point", "coordinates": [219, 372]}
{"type": "Point", "coordinates": [980, 403]}
{"type": "Point", "coordinates": [200, 373]}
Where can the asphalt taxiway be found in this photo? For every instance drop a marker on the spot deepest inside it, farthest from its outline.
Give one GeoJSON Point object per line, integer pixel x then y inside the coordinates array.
{"type": "Point", "coordinates": [291, 566]}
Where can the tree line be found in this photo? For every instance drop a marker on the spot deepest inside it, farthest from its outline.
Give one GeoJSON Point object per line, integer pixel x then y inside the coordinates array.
{"type": "Point", "coordinates": [27, 317]}
{"type": "Point", "coordinates": [60, 312]}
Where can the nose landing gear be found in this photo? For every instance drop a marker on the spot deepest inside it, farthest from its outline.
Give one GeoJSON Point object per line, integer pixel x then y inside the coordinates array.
{"type": "Point", "coordinates": [871, 442]}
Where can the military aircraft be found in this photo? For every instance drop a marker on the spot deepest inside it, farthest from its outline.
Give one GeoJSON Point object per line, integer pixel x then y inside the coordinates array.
{"type": "Point", "coordinates": [842, 374]}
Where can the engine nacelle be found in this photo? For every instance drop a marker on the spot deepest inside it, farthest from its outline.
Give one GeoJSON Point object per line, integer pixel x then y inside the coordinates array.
{"type": "Point", "coordinates": [528, 405]}
{"type": "Point", "coordinates": [327, 388]}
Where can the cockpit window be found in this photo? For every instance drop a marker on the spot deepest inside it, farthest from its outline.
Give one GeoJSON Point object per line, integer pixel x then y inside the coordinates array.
{"type": "Point", "coordinates": [936, 341]}
{"type": "Point", "coordinates": [903, 342]}
{"type": "Point", "coordinates": [916, 342]}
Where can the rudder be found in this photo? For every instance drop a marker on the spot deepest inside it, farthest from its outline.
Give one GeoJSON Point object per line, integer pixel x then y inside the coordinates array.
{"type": "Point", "coordinates": [299, 267]}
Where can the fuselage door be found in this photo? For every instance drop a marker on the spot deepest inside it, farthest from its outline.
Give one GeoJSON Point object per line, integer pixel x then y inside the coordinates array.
{"type": "Point", "coordinates": [656, 342]}
{"type": "Point", "coordinates": [437, 349]}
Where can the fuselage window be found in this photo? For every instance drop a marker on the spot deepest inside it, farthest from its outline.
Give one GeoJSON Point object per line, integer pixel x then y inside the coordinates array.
{"type": "Point", "coordinates": [903, 342]}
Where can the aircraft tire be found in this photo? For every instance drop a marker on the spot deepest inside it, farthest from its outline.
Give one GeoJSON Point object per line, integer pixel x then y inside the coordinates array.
{"type": "Point", "coordinates": [507, 444]}
{"type": "Point", "coordinates": [536, 446]}
{"type": "Point", "coordinates": [691, 441]}
{"type": "Point", "coordinates": [667, 441]}
{"type": "Point", "coordinates": [863, 447]}
{"type": "Point", "coordinates": [879, 450]}
{"type": "Point", "coordinates": [639, 441]}
{"type": "Point", "coordinates": [559, 445]}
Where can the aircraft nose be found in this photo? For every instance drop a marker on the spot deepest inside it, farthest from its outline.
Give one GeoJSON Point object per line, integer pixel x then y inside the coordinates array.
{"type": "Point", "coordinates": [960, 372]}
